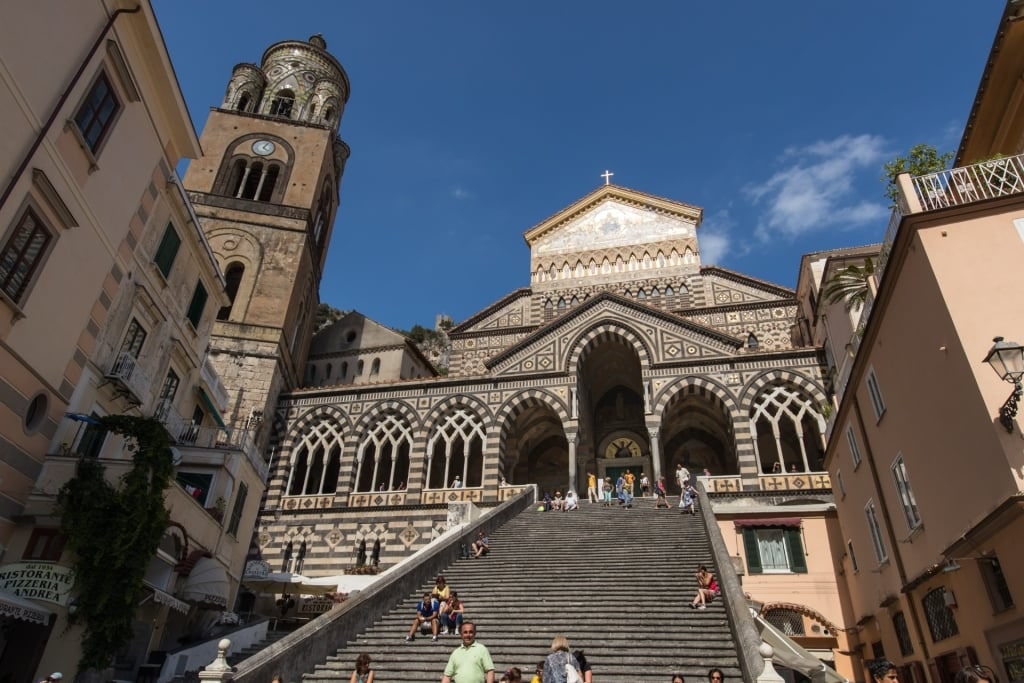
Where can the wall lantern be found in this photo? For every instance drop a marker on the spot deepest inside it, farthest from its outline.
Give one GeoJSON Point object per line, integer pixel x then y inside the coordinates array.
{"type": "Point", "coordinates": [1007, 359]}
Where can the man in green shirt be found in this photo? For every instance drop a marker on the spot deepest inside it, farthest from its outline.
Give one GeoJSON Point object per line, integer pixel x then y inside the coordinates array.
{"type": "Point", "coordinates": [471, 661]}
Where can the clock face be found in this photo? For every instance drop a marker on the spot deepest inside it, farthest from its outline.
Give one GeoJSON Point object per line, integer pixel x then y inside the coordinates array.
{"type": "Point", "coordinates": [622, 448]}
{"type": "Point", "coordinates": [263, 147]}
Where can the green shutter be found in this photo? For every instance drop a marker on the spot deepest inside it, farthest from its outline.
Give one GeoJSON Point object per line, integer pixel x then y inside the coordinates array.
{"type": "Point", "coordinates": [753, 551]}
{"type": "Point", "coordinates": [795, 548]}
{"type": "Point", "coordinates": [195, 309]}
{"type": "Point", "coordinates": [236, 512]}
{"type": "Point", "coordinates": [168, 249]}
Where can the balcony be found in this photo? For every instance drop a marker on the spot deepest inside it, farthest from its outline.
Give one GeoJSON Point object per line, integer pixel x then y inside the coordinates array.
{"type": "Point", "coordinates": [128, 376]}
{"type": "Point", "coordinates": [186, 434]}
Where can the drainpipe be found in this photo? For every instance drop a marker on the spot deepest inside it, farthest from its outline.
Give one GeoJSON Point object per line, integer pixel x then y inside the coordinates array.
{"type": "Point", "coordinates": [900, 570]}
{"type": "Point", "coordinates": [60, 105]}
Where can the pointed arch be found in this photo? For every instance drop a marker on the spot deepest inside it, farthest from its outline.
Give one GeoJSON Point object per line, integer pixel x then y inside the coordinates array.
{"type": "Point", "coordinates": [786, 423]}
{"type": "Point", "coordinates": [607, 331]}
{"type": "Point", "coordinates": [456, 448]}
{"type": "Point", "coordinates": [384, 450]}
{"type": "Point", "coordinates": [315, 460]}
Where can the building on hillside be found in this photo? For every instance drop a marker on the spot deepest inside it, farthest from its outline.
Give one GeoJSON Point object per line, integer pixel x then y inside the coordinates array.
{"type": "Point", "coordinates": [109, 290]}
{"type": "Point", "coordinates": [925, 451]}
{"type": "Point", "coordinates": [357, 350]}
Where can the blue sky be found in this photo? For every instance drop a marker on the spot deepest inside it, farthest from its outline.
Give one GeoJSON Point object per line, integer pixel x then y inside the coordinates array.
{"type": "Point", "coordinates": [471, 121]}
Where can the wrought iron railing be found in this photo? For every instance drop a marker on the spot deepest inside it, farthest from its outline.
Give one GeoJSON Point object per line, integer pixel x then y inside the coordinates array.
{"type": "Point", "coordinates": [126, 370]}
{"type": "Point", "coordinates": [185, 432]}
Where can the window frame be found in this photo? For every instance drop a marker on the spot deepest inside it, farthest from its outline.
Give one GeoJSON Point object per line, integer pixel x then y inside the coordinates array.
{"type": "Point", "coordinates": [875, 531]}
{"type": "Point", "coordinates": [999, 596]}
{"type": "Point", "coordinates": [853, 556]}
{"type": "Point", "coordinates": [197, 304]}
{"type": "Point", "coordinates": [238, 509]}
{"type": "Point", "coordinates": [28, 212]}
{"type": "Point", "coordinates": [134, 339]}
{"type": "Point", "coordinates": [95, 438]}
{"type": "Point", "coordinates": [875, 394]}
{"type": "Point", "coordinates": [851, 439]}
{"type": "Point", "coordinates": [794, 547]}
{"type": "Point", "coordinates": [94, 147]}
{"type": "Point", "coordinates": [911, 513]}
{"type": "Point", "coordinates": [166, 252]}
{"type": "Point", "coordinates": [53, 542]}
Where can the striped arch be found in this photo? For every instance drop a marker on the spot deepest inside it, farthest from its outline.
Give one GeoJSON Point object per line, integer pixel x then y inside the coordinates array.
{"type": "Point", "coordinates": [754, 387]}
{"type": "Point", "coordinates": [803, 610]}
{"type": "Point", "coordinates": [385, 439]}
{"type": "Point", "coordinates": [308, 419]}
{"type": "Point", "coordinates": [699, 385]}
{"type": "Point", "coordinates": [517, 404]}
{"type": "Point", "coordinates": [482, 410]}
{"type": "Point", "coordinates": [401, 407]}
{"type": "Point", "coordinates": [607, 331]}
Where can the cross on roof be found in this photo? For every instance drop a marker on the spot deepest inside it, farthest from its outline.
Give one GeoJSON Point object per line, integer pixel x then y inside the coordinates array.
{"type": "Point", "coordinates": [607, 175]}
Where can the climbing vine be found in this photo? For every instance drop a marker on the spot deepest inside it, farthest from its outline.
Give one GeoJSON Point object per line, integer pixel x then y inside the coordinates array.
{"type": "Point", "coordinates": [114, 530]}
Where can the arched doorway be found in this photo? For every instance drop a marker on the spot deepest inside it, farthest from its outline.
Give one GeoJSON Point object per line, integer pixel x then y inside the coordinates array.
{"type": "Point", "coordinates": [612, 407]}
{"type": "Point", "coordinates": [534, 449]}
{"type": "Point", "coordinates": [697, 432]}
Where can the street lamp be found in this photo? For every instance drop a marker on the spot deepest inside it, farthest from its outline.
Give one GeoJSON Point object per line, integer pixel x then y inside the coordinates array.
{"type": "Point", "coordinates": [1007, 359]}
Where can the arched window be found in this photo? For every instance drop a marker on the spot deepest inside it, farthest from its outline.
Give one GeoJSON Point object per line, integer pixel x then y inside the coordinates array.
{"type": "Point", "coordinates": [282, 103]}
{"type": "Point", "coordinates": [232, 278]}
{"type": "Point", "coordinates": [787, 430]}
{"type": "Point", "coordinates": [382, 462]}
{"type": "Point", "coordinates": [561, 304]}
{"type": "Point", "coordinates": [941, 620]}
{"type": "Point", "coordinates": [327, 375]}
{"type": "Point", "coordinates": [359, 368]}
{"type": "Point", "coordinates": [237, 175]}
{"type": "Point", "coordinates": [243, 102]}
{"type": "Point", "coordinates": [344, 370]}
{"type": "Point", "coordinates": [317, 461]}
{"type": "Point", "coordinates": [456, 449]}
{"type": "Point", "coordinates": [286, 561]}
{"type": "Point", "coordinates": [312, 112]}
{"type": "Point", "coordinates": [251, 181]}
{"type": "Point", "coordinates": [641, 294]}
{"type": "Point", "coordinates": [267, 182]}
{"type": "Point", "coordinates": [669, 291]}
{"type": "Point", "coordinates": [328, 115]}
{"type": "Point", "coordinates": [788, 621]}
{"type": "Point", "coordinates": [375, 367]}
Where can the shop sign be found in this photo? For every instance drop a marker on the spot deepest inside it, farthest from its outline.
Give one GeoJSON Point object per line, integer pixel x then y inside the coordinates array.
{"type": "Point", "coordinates": [315, 605]}
{"type": "Point", "coordinates": [38, 581]}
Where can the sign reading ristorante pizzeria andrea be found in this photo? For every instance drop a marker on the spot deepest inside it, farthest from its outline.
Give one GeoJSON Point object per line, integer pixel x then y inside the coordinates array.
{"type": "Point", "coordinates": [38, 581]}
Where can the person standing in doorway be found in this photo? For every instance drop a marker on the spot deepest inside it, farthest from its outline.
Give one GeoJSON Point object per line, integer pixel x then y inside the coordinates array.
{"type": "Point", "coordinates": [630, 479]}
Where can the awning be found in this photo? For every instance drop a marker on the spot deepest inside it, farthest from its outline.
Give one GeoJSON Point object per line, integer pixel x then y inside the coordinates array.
{"type": "Point", "coordinates": [20, 608]}
{"type": "Point", "coordinates": [790, 655]}
{"type": "Point", "coordinates": [213, 409]}
{"type": "Point", "coordinates": [207, 585]}
{"type": "Point", "coordinates": [163, 598]}
{"type": "Point", "coordinates": [768, 521]}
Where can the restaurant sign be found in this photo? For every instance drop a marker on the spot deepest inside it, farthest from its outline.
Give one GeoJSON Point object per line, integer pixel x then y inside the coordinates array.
{"type": "Point", "coordinates": [38, 581]}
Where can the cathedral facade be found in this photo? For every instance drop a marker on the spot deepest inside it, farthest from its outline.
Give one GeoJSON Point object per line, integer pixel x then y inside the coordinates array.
{"type": "Point", "coordinates": [623, 351]}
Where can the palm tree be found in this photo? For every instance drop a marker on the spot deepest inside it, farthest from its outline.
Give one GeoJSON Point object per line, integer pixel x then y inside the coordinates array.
{"type": "Point", "coordinates": [851, 284]}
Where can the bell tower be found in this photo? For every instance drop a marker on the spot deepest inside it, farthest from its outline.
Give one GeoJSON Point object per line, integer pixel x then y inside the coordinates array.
{"type": "Point", "coordinates": [266, 191]}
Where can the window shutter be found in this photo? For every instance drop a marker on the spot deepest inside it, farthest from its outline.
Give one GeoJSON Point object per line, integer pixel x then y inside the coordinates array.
{"type": "Point", "coordinates": [167, 250]}
{"type": "Point", "coordinates": [795, 548]}
{"type": "Point", "coordinates": [753, 551]}
{"type": "Point", "coordinates": [195, 309]}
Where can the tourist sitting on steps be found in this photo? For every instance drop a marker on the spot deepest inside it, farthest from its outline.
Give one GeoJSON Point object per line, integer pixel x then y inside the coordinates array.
{"type": "Point", "coordinates": [482, 545]}
{"type": "Point", "coordinates": [452, 614]}
{"type": "Point", "coordinates": [707, 588]}
{"type": "Point", "coordinates": [572, 502]}
{"type": "Point", "coordinates": [426, 614]}
{"type": "Point", "coordinates": [440, 592]}
{"type": "Point", "coordinates": [558, 503]}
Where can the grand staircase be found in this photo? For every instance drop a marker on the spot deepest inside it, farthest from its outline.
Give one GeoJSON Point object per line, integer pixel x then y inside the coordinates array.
{"type": "Point", "coordinates": [616, 582]}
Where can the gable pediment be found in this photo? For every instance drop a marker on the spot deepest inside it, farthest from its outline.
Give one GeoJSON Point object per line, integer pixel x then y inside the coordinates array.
{"type": "Point", "coordinates": [611, 217]}
{"type": "Point", "coordinates": [664, 338]}
{"type": "Point", "coordinates": [512, 310]}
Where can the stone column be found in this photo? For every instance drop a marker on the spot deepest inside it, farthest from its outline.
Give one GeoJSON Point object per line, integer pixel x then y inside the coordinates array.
{"type": "Point", "coordinates": [652, 432]}
{"type": "Point", "coordinates": [573, 438]}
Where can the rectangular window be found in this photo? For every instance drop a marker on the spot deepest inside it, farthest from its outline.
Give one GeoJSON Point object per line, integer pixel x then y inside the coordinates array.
{"type": "Point", "coordinates": [97, 112]}
{"type": "Point", "coordinates": [995, 583]}
{"type": "Point", "coordinates": [906, 494]}
{"type": "Point", "coordinates": [170, 387]}
{"type": "Point", "coordinates": [167, 250]}
{"type": "Point", "coordinates": [840, 484]}
{"type": "Point", "coordinates": [45, 545]}
{"type": "Point", "coordinates": [90, 444]}
{"type": "Point", "coordinates": [238, 509]}
{"type": "Point", "coordinates": [195, 308]}
{"type": "Point", "coordinates": [774, 550]}
{"type": "Point", "coordinates": [851, 438]}
{"type": "Point", "coordinates": [22, 255]}
{"type": "Point", "coordinates": [876, 532]}
{"type": "Point", "coordinates": [899, 625]}
{"type": "Point", "coordinates": [196, 484]}
{"type": "Point", "coordinates": [133, 339]}
{"type": "Point", "coordinates": [875, 394]}
{"type": "Point", "coordinates": [853, 557]}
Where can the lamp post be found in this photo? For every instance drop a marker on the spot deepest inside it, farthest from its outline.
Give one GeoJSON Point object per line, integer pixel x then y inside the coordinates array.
{"type": "Point", "coordinates": [1007, 359]}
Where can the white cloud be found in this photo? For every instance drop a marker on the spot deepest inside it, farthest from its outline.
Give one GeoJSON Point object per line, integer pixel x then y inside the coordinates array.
{"type": "Point", "coordinates": [714, 236]}
{"type": "Point", "coordinates": [816, 189]}
{"type": "Point", "coordinates": [460, 193]}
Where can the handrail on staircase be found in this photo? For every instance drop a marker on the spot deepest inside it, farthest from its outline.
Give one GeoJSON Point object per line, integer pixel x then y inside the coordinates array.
{"type": "Point", "coordinates": [741, 623]}
{"type": "Point", "coordinates": [312, 643]}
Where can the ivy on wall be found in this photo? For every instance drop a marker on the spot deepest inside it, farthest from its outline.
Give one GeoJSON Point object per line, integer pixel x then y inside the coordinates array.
{"type": "Point", "coordinates": [114, 530]}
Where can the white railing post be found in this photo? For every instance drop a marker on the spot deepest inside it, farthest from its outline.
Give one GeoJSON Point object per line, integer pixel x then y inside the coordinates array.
{"type": "Point", "coordinates": [219, 669]}
{"type": "Point", "coordinates": [768, 674]}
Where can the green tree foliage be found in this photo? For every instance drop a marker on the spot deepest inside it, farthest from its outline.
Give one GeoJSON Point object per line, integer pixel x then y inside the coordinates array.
{"type": "Point", "coordinates": [114, 531]}
{"type": "Point", "coordinates": [325, 315]}
{"type": "Point", "coordinates": [921, 160]}
{"type": "Point", "coordinates": [850, 285]}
